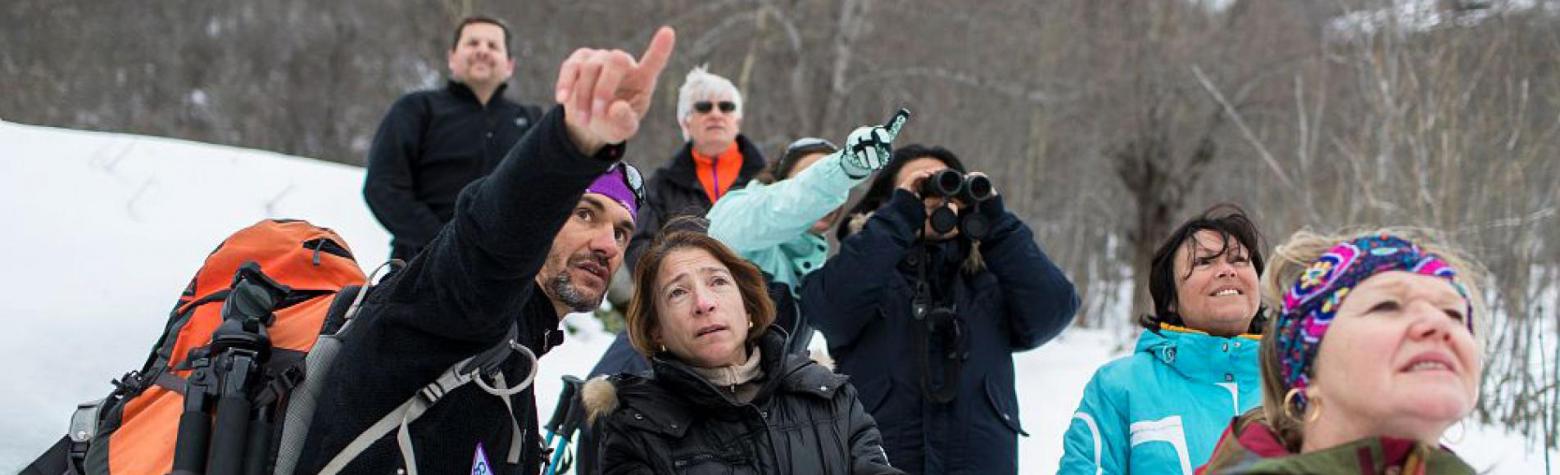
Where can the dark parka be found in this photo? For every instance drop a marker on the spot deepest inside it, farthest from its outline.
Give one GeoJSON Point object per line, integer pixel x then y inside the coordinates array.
{"type": "Point", "coordinates": [675, 191]}
{"type": "Point", "coordinates": [861, 301]}
{"type": "Point", "coordinates": [461, 296]}
{"type": "Point", "coordinates": [804, 420]}
{"type": "Point", "coordinates": [621, 357]}
{"type": "Point", "coordinates": [430, 145]}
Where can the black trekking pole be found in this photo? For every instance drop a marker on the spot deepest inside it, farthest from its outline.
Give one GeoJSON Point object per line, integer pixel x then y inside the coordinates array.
{"type": "Point", "coordinates": [565, 420]}
{"type": "Point", "coordinates": [226, 372]}
{"type": "Point", "coordinates": [189, 451]}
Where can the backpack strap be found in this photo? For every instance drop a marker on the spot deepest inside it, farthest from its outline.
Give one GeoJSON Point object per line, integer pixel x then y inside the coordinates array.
{"type": "Point", "coordinates": [336, 316]}
{"type": "Point", "coordinates": [457, 375]}
{"type": "Point", "coordinates": [317, 365]}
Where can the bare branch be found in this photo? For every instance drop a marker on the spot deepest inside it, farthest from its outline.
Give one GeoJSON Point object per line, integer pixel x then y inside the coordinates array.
{"type": "Point", "coordinates": [1244, 130]}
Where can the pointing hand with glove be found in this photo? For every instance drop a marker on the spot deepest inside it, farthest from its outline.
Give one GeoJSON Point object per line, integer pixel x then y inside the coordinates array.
{"type": "Point", "coordinates": [868, 149]}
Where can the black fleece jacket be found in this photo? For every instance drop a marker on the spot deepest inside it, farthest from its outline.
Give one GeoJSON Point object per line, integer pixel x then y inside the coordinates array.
{"type": "Point", "coordinates": [459, 297]}
{"type": "Point", "coordinates": [430, 145]}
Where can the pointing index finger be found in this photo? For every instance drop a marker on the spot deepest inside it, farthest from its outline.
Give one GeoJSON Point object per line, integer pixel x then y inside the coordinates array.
{"type": "Point", "coordinates": [897, 122]}
{"type": "Point", "coordinates": [660, 50]}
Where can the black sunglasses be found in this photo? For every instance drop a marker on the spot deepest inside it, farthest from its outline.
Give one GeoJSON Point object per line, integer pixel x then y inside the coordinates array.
{"type": "Point", "coordinates": [635, 181]}
{"type": "Point", "coordinates": [704, 107]}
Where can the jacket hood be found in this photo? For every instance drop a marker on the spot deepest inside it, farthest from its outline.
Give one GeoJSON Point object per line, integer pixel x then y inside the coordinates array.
{"type": "Point", "coordinates": [1202, 357]}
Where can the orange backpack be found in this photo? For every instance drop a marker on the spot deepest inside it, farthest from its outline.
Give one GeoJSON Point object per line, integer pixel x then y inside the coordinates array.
{"type": "Point", "coordinates": [140, 422]}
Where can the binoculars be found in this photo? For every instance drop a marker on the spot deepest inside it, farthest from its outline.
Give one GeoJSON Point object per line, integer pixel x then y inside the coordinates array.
{"type": "Point", "coordinates": [950, 183]}
{"type": "Point", "coordinates": [971, 189]}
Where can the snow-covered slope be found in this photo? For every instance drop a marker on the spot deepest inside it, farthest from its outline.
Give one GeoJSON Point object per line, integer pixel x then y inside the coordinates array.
{"type": "Point", "coordinates": [102, 231]}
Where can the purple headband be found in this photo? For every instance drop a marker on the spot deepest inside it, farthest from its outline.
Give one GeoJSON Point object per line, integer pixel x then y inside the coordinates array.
{"type": "Point", "coordinates": [623, 184]}
{"type": "Point", "coordinates": [1311, 304]}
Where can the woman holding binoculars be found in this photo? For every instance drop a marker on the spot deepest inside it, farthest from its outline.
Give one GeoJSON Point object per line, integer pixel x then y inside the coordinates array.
{"type": "Point", "coordinates": [934, 288]}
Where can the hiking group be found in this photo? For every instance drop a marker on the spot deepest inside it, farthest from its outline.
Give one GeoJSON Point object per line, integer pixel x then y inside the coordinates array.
{"type": "Point", "coordinates": [281, 356]}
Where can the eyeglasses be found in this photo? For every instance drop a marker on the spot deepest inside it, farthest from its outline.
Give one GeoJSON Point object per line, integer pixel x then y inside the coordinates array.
{"type": "Point", "coordinates": [704, 107]}
{"type": "Point", "coordinates": [635, 181]}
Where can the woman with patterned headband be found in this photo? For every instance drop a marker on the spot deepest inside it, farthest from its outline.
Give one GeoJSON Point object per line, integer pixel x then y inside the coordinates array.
{"type": "Point", "coordinates": [1372, 357]}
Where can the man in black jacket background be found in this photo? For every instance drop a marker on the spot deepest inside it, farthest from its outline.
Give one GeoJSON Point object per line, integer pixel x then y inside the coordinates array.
{"type": "Point", "coordinates": [434, 142]}
{"type": "Point", "coordinates": [556, 215]}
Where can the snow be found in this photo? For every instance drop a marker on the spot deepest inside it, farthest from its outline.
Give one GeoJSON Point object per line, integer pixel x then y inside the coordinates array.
{"type": "Point", "coordinates": [1425, 15]}
{"type": "Point", "coordinates": [106, 229]}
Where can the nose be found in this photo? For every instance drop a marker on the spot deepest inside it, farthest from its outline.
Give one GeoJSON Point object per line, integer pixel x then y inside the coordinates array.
{"type": "Point", "coordinates": [1428, 321]}
{"type": "Point", "coordinates": [703, 303]}
{"type": "Point", "coordinates": [1223, 268]}
{"type": "Point", "coordinates": [603, 241]}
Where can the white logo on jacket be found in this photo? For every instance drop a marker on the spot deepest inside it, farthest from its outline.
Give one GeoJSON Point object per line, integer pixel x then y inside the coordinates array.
{"type": "Point", "coordinates": [1168, 430]}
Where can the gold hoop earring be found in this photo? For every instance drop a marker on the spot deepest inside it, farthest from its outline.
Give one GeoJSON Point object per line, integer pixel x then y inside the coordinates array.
{"type": "Point", "coordinates": [1311, 415]}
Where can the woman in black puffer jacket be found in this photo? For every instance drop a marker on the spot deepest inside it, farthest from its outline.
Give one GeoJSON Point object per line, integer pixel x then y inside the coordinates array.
{"type": "Point", "coordinates": [723, 395]}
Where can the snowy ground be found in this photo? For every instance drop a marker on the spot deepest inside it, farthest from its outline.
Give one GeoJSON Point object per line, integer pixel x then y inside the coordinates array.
{"type": "Point", "coordinates": [106, 229]}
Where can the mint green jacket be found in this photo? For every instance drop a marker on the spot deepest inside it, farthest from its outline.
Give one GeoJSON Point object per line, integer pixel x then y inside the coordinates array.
{"type": "Point", "coordinates": [767, 224]}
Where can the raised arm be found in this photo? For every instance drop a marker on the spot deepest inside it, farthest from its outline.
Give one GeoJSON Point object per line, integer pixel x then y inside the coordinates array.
{"type": "Point", "coordinates": [476, 273]}
{"type": "Point", "coordinates": [762, 216]}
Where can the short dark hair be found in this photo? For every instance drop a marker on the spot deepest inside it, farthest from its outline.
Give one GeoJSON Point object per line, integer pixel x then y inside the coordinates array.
{"type": "Point", "coordinates": [461, 28]}
{"type": "Point", "coordinates": [883, 186]}
{"type": "Point", "coordinates": [1229, 221]}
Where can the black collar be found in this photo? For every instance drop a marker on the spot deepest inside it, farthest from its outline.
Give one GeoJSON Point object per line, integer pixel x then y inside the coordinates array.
{"type": "Point", "coordinates": [461, 90]}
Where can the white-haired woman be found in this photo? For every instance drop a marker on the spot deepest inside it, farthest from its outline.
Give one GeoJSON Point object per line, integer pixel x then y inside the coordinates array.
{"type": "Point", "coordinates": [714, 159]}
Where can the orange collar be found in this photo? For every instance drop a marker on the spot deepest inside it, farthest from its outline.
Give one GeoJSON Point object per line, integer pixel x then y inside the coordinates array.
{"type": "Point", "coordinates": [717, 174]}
{"type": "Point", "coordinates": [706, 160]}
{"type": "Point", "coordinates": [1167, 326]}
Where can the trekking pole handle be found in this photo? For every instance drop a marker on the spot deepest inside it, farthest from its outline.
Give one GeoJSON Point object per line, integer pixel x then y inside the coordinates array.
{"type": "Point", "coordinates": [565, 403]}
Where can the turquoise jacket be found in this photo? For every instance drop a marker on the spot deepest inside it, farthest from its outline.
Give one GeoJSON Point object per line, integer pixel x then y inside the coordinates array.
{"type": "Point", "coordinates": [767, 224]}
{"type": "Point", "coordinates": [1162, 409]}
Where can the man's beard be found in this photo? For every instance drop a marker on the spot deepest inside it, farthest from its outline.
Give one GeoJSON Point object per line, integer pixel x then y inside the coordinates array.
{"type": "Point", "coordinates": [566, 292]}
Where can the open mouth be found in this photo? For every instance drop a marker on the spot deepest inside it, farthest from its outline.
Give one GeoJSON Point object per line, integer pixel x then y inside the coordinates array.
{"type": "Point", "coordinates": [1430, 361]}
{"type": "Point", "coordinates": [708, 330]}
{"type": "Point", "coordinates": [594, 269]}
{"type": "Point", "coordinates": [1226, 292]}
